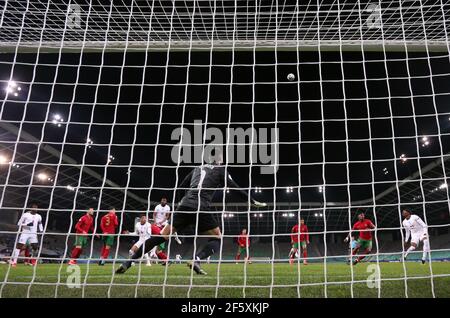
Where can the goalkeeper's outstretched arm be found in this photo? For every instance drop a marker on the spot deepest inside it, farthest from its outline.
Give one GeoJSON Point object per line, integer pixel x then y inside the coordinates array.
{"type": "Point", "coordinates": [244, 194]}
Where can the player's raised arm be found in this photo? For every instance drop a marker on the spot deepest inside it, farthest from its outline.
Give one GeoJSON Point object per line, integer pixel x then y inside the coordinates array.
{"type": "Point", "coordinates": [422, 223]}
{"type": "Point", "coordinates": [135, 231]}
{"type": "Point", "coordinates": [349, 235]}
{"type": "Point", "coordinates": [20, 223]}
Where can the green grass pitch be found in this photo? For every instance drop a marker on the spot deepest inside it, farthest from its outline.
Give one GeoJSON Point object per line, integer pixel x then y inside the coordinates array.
{"type": "Point", "coordinates": [235, 280]}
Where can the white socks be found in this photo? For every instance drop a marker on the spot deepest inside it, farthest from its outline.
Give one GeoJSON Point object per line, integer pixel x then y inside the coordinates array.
{"type": "Point", "coordinates": [409, 250]}
{"type": "Point", "coordinates": [291, 252]}
{"type": "Point", "coordinates": [426, 249]}
{"type": "Point", "coordinates": [15, 255]}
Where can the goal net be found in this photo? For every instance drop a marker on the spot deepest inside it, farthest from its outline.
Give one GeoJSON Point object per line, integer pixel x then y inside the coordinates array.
{"type": "Point", "coordinates": [324, 111]}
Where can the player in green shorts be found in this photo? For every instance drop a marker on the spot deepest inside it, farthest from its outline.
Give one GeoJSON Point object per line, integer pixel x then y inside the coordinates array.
{"type": "Point", "coordinates": [299, 238]}
{"type": "Point", "coordinates": [158, 250]}
{"type": "Point", "coordinates": [364, 242]}
{"type": "Point", "coordinates": [84, 225]}
{"type": "Point", "coordinates": [108, 224]}
{"type": "Point", "coordinates": [108, 240]}
{"type": "Point", "coordinates": [296, 245]}
{"type": "Point", "coordinates": [243, 245]}
{"type": "Point", "coordinates": [81, 241]}
{"type": "Point", "coordinates": [162, 246]}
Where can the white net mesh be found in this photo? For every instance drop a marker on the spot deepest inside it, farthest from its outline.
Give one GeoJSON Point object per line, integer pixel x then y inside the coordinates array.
{"type": "Point", "coordinates": [325, 110]}
{"type": "Point", "coordinates": [40, 24]}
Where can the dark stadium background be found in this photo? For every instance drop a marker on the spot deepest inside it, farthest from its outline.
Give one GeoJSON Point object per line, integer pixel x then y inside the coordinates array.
{"type": "Point", "coordinates": [48, 82]}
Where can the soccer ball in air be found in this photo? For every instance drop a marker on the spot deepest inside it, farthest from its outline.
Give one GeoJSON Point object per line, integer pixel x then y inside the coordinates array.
{"type": "Point", "coordinates": [291, 77]}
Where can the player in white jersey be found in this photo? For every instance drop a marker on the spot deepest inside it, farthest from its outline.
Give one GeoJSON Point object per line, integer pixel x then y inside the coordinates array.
{"type": "Point", "coordinates": [143, 229]}
{"type": "Point", "coordinates": [161, 216]}
{"type": "Point", "coordinates": [29, 224]}
{"type": "Point", "coordinates": [417, 230]}
{"type": "Point", "coordinates": [161, 213]}
{"type": "Point", "coordinates": [178, 259]}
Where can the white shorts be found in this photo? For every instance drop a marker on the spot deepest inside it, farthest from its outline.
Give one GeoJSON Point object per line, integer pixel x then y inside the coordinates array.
{"type": "Point", "coordinates": [162, 224]}
{"type": "Point", "coordinates": [139, 243]}
{"type": "Point", "coordinates": [28, 237]}
{"type": "Point", "coordinates": [417, 238]}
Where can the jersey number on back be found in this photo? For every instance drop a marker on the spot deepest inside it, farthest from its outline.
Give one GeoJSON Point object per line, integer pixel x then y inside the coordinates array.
{"type": "Point", "coordinates": [202, 178]}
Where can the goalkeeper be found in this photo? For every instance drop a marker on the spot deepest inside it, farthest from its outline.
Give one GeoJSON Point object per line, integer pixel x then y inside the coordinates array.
{"type": "Point", "coordinates": [193, 210]}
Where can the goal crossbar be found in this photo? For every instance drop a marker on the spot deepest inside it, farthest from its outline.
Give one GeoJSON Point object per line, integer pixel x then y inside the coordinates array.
{"type": "Point", "coordinates": [119, 46]}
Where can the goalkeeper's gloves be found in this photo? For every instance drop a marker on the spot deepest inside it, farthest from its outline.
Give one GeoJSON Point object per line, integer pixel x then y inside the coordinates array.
{"type": "Point", "coordinates": [346, 239]}
{"type": "Point", "coordinates": [259, 204]}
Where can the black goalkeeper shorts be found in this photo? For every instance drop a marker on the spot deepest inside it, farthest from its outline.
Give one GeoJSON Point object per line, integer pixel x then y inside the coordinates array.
{"type": "Point", "coordinates": [206, 220]}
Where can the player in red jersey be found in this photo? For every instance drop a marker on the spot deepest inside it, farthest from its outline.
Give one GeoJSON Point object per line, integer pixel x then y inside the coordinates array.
{"type": "Point", "coordinates": [108, 224]}
{"type": "Point", "coordinates": [299, 238]}
{"type": "Point", "coordinates": [243, 245]}
{"type": "Point", "coordinates": [364, 242]}
{"type": "Point", "coordinates": [158, 250]}
{"type": "Point", "coordinates": [84, 225]}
